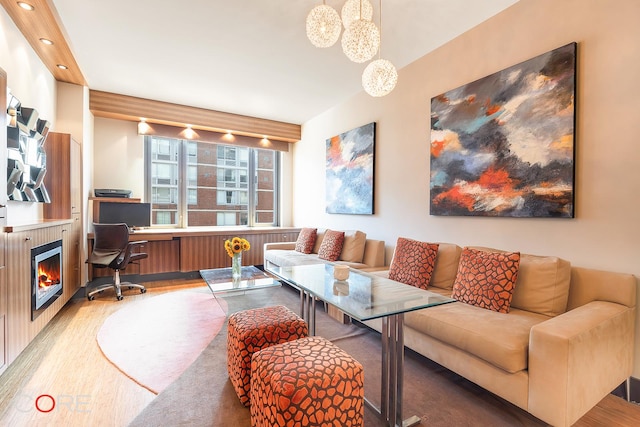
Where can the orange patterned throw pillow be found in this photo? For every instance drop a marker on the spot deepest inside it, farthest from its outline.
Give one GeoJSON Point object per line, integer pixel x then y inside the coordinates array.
{"type": "Point", "coordinates": [331, 246]}
{"type": "Point", "coordinates": [306, 240]}
{"type": "Point", "coordinates": [486, 279]}
{"type": "Point", "coordinates": [413, 262]}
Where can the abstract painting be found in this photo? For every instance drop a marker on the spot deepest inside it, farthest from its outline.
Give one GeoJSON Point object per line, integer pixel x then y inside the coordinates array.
{"type": "Point", "coordinates": [504, 144]}
{"type": "Point", "coordinates": [349, 176]}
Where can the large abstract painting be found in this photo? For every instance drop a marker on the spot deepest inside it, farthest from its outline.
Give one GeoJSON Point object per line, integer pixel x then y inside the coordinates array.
{"type": "Point", "coordinates": [349, 176]}
{"type": "Point", "coordinates": [504, 145]}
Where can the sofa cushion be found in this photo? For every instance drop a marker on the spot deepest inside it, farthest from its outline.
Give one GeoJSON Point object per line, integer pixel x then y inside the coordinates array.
{"type": "Point", "coordinates": [500, 339]}
{"type": "Point", "coordinates": [353, 247]}
{"type": "Point", "coordinates": [306, 240]}
{"type": "Point", "coordinates": [486, 279]}
{"type": "Point", "coordinates": [446, 267]}
{"type": "Point", "coordinates": [542, 285]}
{"type": "Point", "coordinates": [413, 262]}
{"type": "Point", "coordinates": [319, 238]}
{"type": "Point", "coordinates": [331, 246]}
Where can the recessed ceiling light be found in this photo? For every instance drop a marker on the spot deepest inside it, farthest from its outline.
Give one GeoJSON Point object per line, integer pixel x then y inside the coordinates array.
{"type": "Point", "coordinates": [25, 6]}
{"type": "Point", "coordinates": [46, 41]}
{"type": "Point", "coordinates": [62, 67]}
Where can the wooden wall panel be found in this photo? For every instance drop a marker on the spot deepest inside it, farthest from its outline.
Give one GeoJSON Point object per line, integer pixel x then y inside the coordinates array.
{"type": "Point", "coordinates": [21, 330]}
{"type": "Point", "coordinates": [191, 250]}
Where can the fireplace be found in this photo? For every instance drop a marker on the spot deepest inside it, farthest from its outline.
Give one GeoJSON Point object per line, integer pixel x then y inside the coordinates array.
{"type": "Point", "coordinates": [46, 276]}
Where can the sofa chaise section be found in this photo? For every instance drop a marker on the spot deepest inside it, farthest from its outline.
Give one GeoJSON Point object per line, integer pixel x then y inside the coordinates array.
{"type": "Point", "coordinates": [566, 342]}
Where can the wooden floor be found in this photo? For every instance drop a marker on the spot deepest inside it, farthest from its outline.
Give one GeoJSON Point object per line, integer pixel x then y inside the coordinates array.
{"type": "Point", "coordinates": [65, 363]}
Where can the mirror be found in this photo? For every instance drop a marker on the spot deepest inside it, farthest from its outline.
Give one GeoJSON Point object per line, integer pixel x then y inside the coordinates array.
{"type": "Point", "coordinates": [26, 159]}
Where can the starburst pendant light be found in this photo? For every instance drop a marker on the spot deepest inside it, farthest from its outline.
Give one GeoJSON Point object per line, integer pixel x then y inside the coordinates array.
{"type": "Point", "coordinates": [356, 9]}
{"type": "Point", "coordinates": [361, 40]}
{"type": "Point", "coordinates": [380, 76]}
{"type": "Point", "coordinates": [323, 26]}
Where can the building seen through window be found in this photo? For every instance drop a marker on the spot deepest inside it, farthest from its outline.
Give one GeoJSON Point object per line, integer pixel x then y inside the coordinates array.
{"type": "Point", "coordinates": [193, 183]}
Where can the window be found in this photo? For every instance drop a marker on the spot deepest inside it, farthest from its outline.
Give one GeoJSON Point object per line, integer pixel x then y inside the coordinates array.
{"type": "Point", "coordinates": [192, 183]}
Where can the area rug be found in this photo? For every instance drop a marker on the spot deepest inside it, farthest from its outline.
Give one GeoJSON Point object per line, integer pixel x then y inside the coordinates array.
{"type": "Point", "coordinates": [153, 341]}
{"type": "Point", "coordinates": [204, 397]}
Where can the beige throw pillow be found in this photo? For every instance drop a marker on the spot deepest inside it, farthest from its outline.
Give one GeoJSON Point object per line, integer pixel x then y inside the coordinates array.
{"type": "Point", "coordinates": [353, 247]}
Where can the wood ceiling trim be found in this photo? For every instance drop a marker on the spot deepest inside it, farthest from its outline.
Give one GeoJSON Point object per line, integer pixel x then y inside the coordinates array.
{"type": "Point", "coordinates": [215, 137]}
{"type": "Point", "coordinates": [124, 107]}
{"type": "Point", "coordinates": [44, 22]}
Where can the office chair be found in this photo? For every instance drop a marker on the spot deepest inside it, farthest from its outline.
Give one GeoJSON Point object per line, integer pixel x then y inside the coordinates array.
{"type": "Point", "coordinates": [112, 249]}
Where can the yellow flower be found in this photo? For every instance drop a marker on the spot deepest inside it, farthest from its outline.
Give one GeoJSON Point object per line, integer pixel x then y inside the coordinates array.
{"type": "Point", "coordinates": [236, 245]}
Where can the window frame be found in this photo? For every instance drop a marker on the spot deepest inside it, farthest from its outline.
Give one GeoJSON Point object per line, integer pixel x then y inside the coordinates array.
{"type": "Point", "coordinates": [183, 184]}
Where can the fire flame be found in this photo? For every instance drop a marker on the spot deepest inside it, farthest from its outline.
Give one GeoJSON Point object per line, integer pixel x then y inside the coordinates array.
{"type": "Point", "coordinates": [45, 278]}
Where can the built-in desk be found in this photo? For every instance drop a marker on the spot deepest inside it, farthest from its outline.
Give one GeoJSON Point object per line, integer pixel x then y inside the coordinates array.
{"type": "Point", "coordinates": [196, 248]}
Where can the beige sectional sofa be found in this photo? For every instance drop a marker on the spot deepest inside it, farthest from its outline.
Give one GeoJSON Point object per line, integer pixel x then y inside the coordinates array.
{"type": "Point", "coordinates": [567, 341]}
{"type": "Point", "coordinates": [357, 252]}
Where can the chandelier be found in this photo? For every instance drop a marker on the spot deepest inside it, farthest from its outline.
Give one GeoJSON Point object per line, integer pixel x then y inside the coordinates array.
{"type": "Point", "coordinates": [323, 26]}
{"type": "Point", "coordinates": [361, 41]}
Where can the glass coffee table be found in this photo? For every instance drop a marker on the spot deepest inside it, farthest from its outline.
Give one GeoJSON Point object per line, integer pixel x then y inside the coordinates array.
{"type": "Point", "coordinates": [220, 281]}
{"type": "Point", "coordinates": [365, 296]}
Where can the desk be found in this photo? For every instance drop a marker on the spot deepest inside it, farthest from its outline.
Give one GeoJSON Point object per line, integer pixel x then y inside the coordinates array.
{"type": "Point", "coordinates": [365, 296]}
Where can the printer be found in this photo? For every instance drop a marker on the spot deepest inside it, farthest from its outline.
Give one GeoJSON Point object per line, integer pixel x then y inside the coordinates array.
{"type": "Point", "coordinates": [112, 192]}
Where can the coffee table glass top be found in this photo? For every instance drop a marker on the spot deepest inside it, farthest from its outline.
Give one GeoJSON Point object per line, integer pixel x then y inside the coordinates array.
{"type": "Point", "coordinates": [363, 296]}
{"type": "Point", "coordinates": [219, 280]}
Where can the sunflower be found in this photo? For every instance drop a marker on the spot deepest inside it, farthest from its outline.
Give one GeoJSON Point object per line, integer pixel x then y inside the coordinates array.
{"type": "Point", "coordinates": [236, 245]}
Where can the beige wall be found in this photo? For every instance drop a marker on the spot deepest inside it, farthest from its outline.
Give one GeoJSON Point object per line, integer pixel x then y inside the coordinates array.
{"type": "Point", "coordinates": [118, 156]}
{"type": "Point", "coordinates": [606, 230]}
{"type": "Point", "coordinates": [35, 87]}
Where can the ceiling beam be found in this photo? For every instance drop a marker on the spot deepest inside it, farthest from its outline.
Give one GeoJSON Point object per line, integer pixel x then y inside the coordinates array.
{"type": "Point", "coordinates": [43, 22]}
{"type": "Point", "coordinates": [124, 107]}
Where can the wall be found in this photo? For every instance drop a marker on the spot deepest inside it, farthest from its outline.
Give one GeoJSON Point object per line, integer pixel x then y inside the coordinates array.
{"type": "Point", "coordinates": [118, 156]}
{"type": "Point", "coordinates": [606, 230]}
{"type": "Point", "coordinates": [31, 82]}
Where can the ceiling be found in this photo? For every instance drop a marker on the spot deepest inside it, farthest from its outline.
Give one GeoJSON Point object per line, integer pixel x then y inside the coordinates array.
{"type": "Point", "coordinates": [249, 57]}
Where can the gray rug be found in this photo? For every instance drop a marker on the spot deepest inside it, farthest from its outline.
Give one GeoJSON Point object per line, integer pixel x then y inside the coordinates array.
{"type": "Point", "coordinates": [203, 395]}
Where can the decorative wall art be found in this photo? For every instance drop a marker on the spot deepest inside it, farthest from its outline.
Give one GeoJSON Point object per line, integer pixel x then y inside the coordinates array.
{"type": "Point", "coordinates": [504, 145]}
{"type": "Point", "coordinates": [26, 158]}
{"type": "Point", "coordinates": [349, 176]}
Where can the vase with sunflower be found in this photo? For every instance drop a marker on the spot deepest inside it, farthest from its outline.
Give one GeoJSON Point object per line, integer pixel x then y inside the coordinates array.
{"type": "Point", "coordinates": [234, 248]}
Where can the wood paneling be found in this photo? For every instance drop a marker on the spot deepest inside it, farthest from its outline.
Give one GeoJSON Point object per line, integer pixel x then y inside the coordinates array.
{"type": "Point", "coordinates": [20, 328]}
{"type": "Point", "coordinates": [43, 22]}
{"type": "Point", "coordinates": [123, 107]}
{"type": "Point", "coordinates": [193, 250]}
{"type": "Point", "coordinates": [63, 182]}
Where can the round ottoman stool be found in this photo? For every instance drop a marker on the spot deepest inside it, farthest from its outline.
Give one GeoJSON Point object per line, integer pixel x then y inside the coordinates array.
{"type": "Point", "coordinates": [306, 382]}
{"type": "Point", "coordinates": [250, 331]}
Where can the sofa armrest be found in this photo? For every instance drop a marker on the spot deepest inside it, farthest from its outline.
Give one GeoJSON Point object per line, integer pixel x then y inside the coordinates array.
{"type": "Point", "coordinates": [577, 358]}
{"type": "Point", "coordinates": [280, 245]}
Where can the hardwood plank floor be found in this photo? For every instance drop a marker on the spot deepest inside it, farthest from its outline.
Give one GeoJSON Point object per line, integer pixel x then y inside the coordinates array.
{"type": "Point", "coordinates": [65, 362]}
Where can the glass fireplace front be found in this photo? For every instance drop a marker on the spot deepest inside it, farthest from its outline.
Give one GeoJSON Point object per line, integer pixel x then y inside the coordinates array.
{"type": "Point", "coordinates": [46, 276]}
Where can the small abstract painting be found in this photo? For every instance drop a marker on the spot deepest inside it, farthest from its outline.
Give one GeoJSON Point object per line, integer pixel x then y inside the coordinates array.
{"type": "Point", "coordinates": [504, 145]}
{"type": "Point", "coordinates": [349, 177]}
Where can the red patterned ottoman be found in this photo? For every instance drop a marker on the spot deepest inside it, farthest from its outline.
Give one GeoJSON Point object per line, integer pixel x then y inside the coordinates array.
{"type": "Point", "coordinates": [306, 382]}
{"type": "Point", "coordinates": [250, 331]}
